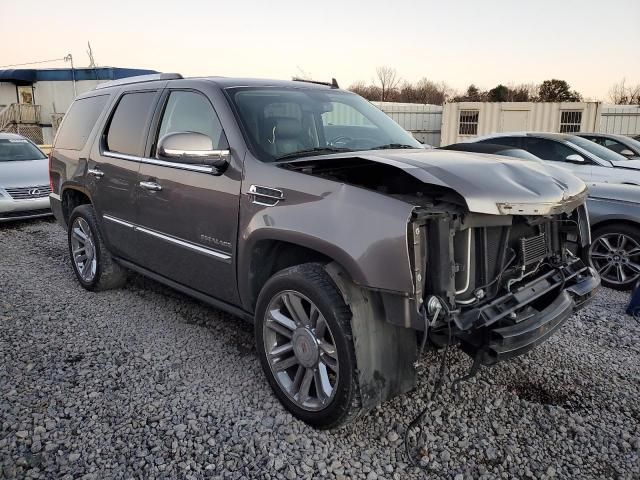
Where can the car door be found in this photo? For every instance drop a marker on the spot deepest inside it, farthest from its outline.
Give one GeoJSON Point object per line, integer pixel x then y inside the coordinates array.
{"type": "Point", "coordinates": [558, 154]}
{"type": "Point", "coordinates": [188, 214]}
{"type": "Point", "coordinates": [112, 174]}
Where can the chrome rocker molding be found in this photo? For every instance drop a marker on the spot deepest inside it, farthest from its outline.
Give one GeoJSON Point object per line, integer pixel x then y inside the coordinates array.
{"type": "Point", "coordinates": [176, 241]}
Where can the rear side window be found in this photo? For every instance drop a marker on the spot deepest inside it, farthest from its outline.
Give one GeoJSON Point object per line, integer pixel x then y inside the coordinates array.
{"type": "Point", "coordinates": [79, 121]}
{"type": "Point", "coordinates": [128, 126]}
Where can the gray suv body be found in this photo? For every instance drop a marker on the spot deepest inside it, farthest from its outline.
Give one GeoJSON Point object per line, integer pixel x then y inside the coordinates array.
{"type": "Point", "coordinates": [305, 209]}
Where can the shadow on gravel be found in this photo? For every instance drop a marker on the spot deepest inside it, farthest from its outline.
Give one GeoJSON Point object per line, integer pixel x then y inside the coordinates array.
{"type": "Point", "coordinates": [20, 224]}
{"type": "Point", "coordinates": [537, 392]}
{"type": "Point", "coordinates": [194, 312]}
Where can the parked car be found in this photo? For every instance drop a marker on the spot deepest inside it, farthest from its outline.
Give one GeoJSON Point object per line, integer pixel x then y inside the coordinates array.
{"type": "Point", "coordinates": [24, 179]}
{"type": "Point", "coordinates": [625, 146]}
{"type": "Point", "coordinates": [614, 211]}
{"type": "Point", "coordinates": [614, 214]}
{"type": "Point", "coordinates": [588, 160]}
{"type": "Point", "coordinates": [305, 209]}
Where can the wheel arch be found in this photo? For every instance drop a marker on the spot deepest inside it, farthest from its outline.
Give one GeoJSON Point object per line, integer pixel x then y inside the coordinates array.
{"type": "Point", "coordinates": [71, 197]}
{"type": "Point", "coordinates": [268, 255]}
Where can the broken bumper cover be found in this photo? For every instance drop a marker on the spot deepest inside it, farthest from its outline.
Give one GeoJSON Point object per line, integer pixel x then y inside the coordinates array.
{"type": "Point", "coordinates": [513, 324]}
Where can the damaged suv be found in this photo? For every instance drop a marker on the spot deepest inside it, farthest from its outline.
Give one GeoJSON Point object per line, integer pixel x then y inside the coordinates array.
{"type": "Point", "coordinates": [305, 209]}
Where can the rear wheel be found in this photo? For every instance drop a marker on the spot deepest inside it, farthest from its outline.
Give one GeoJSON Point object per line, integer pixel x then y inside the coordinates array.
{"type": "Point", "coordinates": [92, 263]}
{"type": "Point", "coordinates": [303, 337]}
{"type": "Point", "coordinates": [615, 254]}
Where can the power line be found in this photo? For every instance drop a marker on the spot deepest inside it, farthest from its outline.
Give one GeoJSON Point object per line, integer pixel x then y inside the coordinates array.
{"type": "Point", "coordinates": [32, 63]}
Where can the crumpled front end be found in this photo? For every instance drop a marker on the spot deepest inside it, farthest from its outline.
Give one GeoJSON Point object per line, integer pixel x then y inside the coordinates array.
{"type": "Point", "coordinates": [503, 284]}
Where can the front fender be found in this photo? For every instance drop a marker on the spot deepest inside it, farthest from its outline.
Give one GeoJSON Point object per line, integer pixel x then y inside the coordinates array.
{"type": "Point", "coordinates": [363, 231]}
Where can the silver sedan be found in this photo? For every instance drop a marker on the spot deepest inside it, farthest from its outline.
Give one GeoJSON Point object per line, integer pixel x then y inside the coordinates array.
{"type": "Point", "coordinates": [24, 179]}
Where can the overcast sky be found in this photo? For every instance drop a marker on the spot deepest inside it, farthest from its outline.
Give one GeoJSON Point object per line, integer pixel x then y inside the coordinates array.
{"type": "Point", "coordinates": [590, 43]}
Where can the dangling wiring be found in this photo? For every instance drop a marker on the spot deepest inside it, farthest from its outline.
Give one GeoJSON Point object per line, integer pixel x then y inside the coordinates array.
{"type": "Point", "coordinates": [436, 389]}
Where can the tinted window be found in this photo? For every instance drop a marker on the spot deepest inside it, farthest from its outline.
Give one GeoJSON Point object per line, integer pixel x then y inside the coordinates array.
{"type": "Point", "coordinates": [192, 112]}
{"type": "Point", "coordinates": [548, 149]}
{"type": "Point", "coordinates": [18, 149]}
{"type": "Point", "coordinates": [127, 130]}
{"type": "Point", "coordinates": [79, 121]}
{"type": "Point", "coordinates": [508, 141]}
{"type": "Point", "coordinates": [595, 149]}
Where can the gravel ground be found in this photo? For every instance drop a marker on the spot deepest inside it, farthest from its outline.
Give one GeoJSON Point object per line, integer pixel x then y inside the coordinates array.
{"type": "Point", "coordinates": [146, 383]}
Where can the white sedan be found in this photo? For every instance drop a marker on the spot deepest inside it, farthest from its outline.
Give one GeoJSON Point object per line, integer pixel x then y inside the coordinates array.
{"type": "Point", "coordinates": [24, 179]}
{"type": "Point", "coordinates": [584, 158]}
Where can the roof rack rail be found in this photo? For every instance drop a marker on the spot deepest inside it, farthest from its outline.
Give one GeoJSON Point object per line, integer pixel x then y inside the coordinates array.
{"type": "Point", "coordinates": [139, 79]}
{"type": "Point", "coordinates": [332, 84]}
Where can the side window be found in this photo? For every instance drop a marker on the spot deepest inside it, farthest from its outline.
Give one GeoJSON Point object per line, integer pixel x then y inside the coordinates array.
{"type": "Point", "coordinates": [192, 112]}
{"type": "Point", "coordinates": [613, 145]}
{"type": "Point", "coordinates": [547, 149]}
{"type": "Point", "coordinates": [127, 129]}
{"type": "Point", "coordinates": [79, 121]}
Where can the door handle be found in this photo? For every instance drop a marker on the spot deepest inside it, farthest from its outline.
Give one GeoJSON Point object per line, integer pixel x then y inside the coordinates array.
{"type": "Point", "coordinates": [96, 172]}
{"type": "Point", "coordinates": [153, 186]}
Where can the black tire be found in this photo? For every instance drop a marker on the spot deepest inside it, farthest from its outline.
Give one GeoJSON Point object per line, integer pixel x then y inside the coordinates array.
{"type": "Point", "coordinates": [312, 281]}
{"type": "Point", "coordinates": [630, 231]}
{"type": "Point", "coordinates": [108, 274]}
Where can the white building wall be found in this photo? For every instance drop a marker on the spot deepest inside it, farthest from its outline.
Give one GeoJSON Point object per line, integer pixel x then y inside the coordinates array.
{"type": "Point", "coordinates": [56, 97]}
{"type": "Point", "coordinates": [495, 117]}
{"type": "Point", "coordinates": [620, 119]}
{"type": "Point", "coordinates": [8, 94]}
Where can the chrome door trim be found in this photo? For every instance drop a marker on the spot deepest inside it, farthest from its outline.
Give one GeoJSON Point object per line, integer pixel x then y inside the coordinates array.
{"type": "Point", "coordinates": [176, 241]}
{"type": "Point", "coordinates": [118, 221]}
{"type": "Point", "coordinates": [161, 163]}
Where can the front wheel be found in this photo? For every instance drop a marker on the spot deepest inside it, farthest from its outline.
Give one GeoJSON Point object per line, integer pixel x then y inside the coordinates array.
{"type": "Point", "coordinates": [304, 341]}
{"type": "Point", "coordinates": [615, 254]}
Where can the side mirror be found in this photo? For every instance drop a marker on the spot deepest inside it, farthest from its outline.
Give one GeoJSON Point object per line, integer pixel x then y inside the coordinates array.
{"type": "Point", "coordinates": [191, 148]}
{"type": "Point", "coordinates": [627, 153]}
{"type": "Point", "coordinates": [574, 158]}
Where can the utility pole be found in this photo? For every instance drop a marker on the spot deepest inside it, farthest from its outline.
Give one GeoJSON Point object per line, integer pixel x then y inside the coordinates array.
{"type": "Point", "coordinates": [69, 58]}
{"type": "Point", "coordinates": [92, 63]}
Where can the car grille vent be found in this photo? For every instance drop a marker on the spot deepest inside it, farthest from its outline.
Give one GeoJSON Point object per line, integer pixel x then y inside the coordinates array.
{"type": "Point", "coordinates": [22, 193]}
{"type": "Point", "coordinates": [25, 213]}
{"type": "Point", "coordinates": [533, 249]}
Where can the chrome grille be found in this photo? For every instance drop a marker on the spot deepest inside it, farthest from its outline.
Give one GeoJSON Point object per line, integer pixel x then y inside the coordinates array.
{"type": "Point", "coordinates": [22, 193]}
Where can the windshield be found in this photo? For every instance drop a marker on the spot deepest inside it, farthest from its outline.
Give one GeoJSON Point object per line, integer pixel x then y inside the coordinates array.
{"type": "Point", "coordinates": [286, 123]}
{"type": "Point", "coordinates": [595, 149]}
{"type": "Point", "coordinates": [18, 149]}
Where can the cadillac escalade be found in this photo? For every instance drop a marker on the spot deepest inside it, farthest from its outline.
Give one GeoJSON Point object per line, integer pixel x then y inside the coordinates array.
{"type": "Point", "coordinates": [303, 208]}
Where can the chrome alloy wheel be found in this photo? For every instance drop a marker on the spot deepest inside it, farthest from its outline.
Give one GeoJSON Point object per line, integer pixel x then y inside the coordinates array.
{"type": "Point", "coordinates": [616, 257]}
{"type": "Point", "coordinates": [301, 350]}
{"type": "Point", "coordinates": [83, 249]}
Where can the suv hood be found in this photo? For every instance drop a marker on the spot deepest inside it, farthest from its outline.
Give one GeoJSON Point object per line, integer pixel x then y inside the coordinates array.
{"type": "Point", "coordinates": [490, 184]}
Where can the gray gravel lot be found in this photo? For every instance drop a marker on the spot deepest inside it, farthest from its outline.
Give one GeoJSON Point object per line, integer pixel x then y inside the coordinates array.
{"type": "Point", "coordinates": [146, 383]}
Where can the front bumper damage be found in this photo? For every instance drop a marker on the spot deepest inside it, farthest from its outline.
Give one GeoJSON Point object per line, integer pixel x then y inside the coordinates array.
{"type": "Point", "coordinates": [514, 323]}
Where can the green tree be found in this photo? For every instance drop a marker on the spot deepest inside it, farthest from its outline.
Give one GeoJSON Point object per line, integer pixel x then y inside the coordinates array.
{"type": "Point", "coordinates": [555, 90]}
{"type": "Point", "coordinates": [499, 94]}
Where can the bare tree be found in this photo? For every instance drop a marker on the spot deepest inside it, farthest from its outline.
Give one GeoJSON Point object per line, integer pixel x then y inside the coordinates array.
{"type": "Point", "coordinates": [621, 94]}
{"type": "Point", "coordinates": [388, 79]}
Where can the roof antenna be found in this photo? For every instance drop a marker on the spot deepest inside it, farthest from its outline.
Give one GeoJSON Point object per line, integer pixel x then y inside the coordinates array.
{"type": "Point", "coordinates": [334, 83]}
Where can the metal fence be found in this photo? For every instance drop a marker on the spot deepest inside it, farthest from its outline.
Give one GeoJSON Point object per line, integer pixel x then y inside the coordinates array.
{"type": "Point", "coordinates": [423, 121]}
{"type": "Point", "coordinates": [620, 119]}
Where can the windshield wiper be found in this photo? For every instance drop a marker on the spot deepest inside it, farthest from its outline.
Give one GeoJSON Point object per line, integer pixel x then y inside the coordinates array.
{"type": "Point", "coordinates": [316, 150]}
{"type": "Point", "coordinates": [390, 146]}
